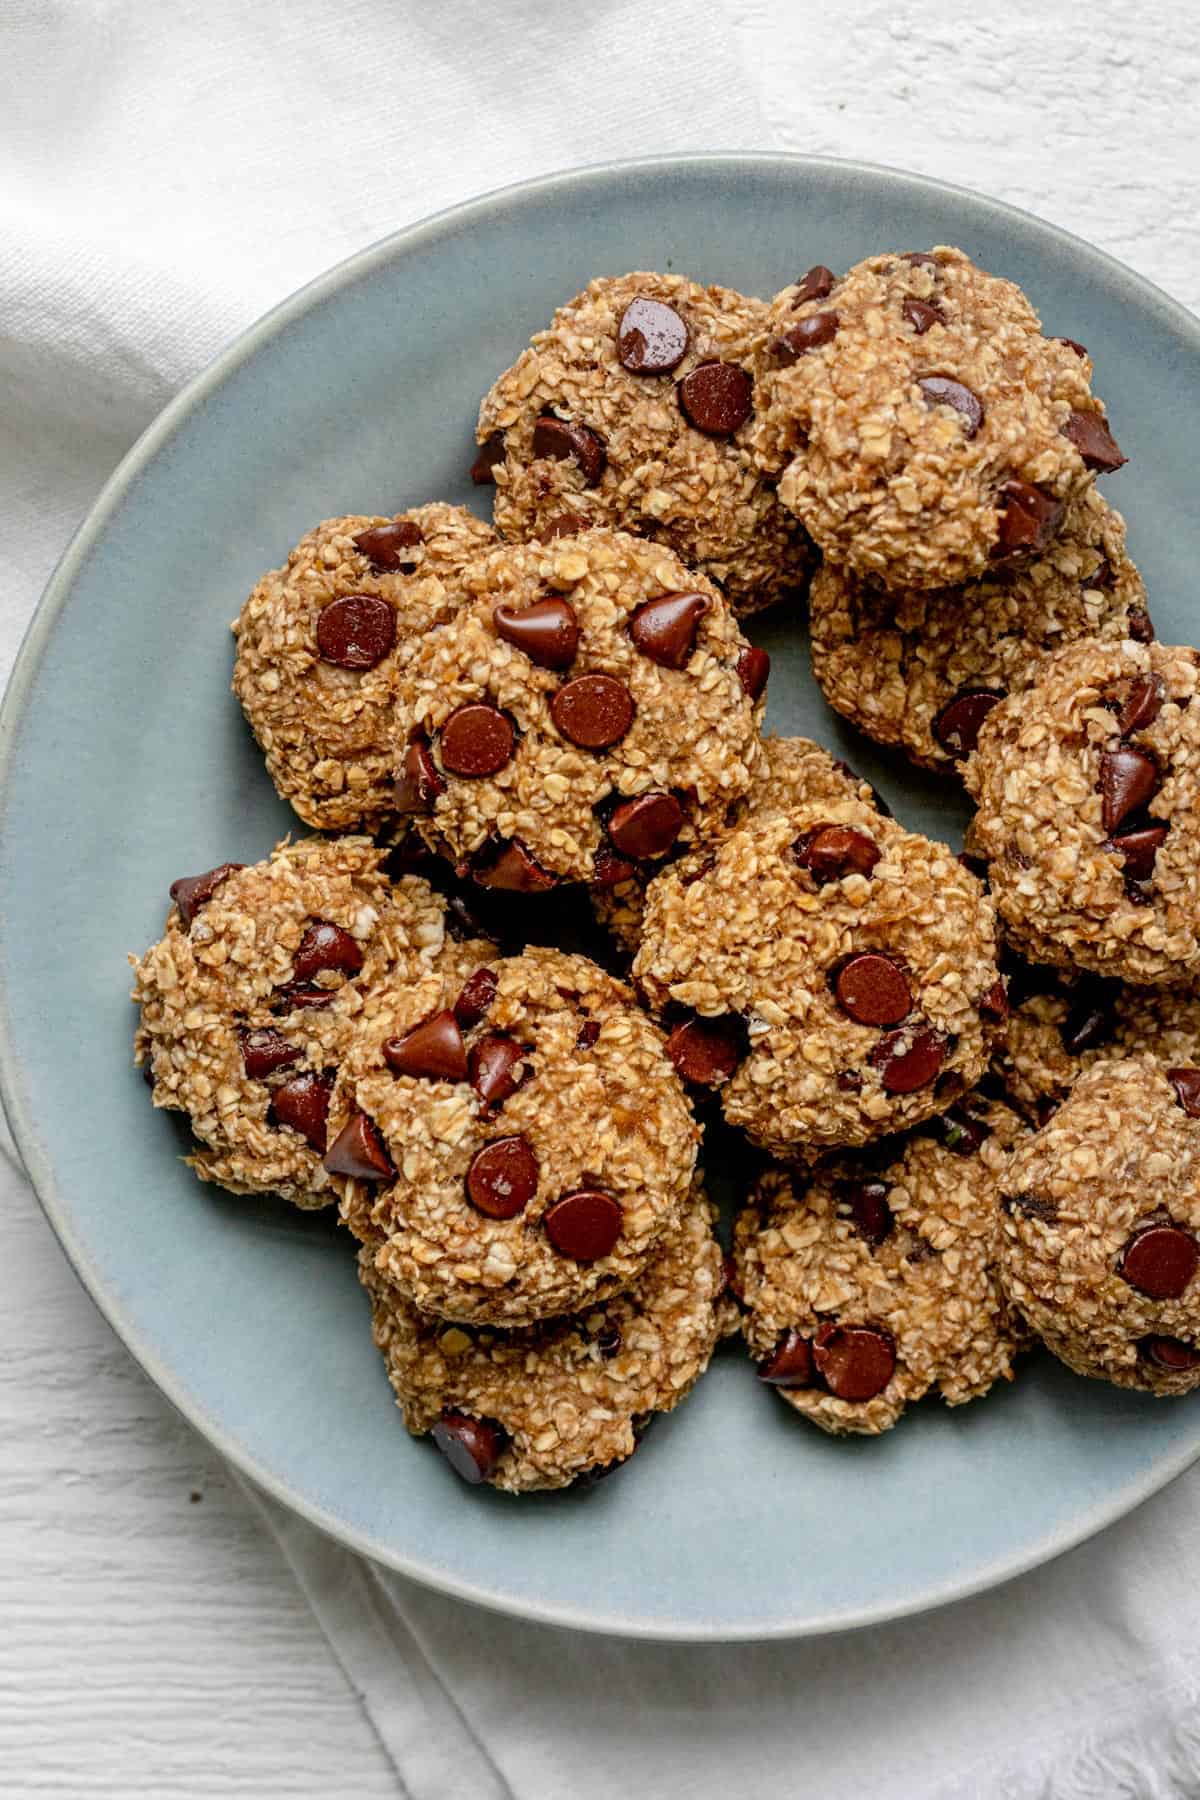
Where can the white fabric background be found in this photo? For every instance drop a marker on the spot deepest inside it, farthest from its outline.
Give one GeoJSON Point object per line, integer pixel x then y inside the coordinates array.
{"type": "Point", "coordinates": [166, 173]}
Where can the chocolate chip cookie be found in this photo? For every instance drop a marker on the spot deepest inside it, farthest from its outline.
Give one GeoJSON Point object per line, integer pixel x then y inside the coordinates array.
{"type": "Point", "coordinates": [633, 409]}
{"type": "Point", "coordinates": [320, 643]}
{"type": "Point", "coordinates": [873, 1281]}
{"type": "Point", "coordinates": [1100, 1239]}
{"type": "Point", "coordinates": [832, 974]}
{"type": "Point", "coordinates": [918, 421]}
{"type": "Point", "coordinates": [921, 668]}
{"type": "Point", "coordinates": [1088, 790]}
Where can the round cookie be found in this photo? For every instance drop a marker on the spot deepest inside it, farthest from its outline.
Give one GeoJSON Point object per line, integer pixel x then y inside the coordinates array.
{"type": "Point", "coordinates": [918, 421]}
{"type": "Point", "coordinates": [512, 1147]}
{"type": "Point", "coordinates": [250, 998]}
{"type": "Point", "coordinates": [833, 974]}
{"type": "Point", "coordinates": [633, 410]}
{"type": "Point", "coordinates": [921, 668]}
{"type": "Point", "coordinates": [320, 643]}
{"type": "Point", "coordinates": [570, 1398]}
{"type": "Point", "coordinates": [872, 1281]}
{"type": "Point", "coordinates": [795, 772]}
{"type": "Point", "coordinates": [590, 706]}
{"type": "Point", "coordinates": [1088, 794]}
{"type": "Point", "coordinates": [1100, 1227]}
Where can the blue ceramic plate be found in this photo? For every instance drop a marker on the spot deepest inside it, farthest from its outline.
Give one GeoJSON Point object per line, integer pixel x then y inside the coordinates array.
{"type": "Point", "coordinates": [125, 762]}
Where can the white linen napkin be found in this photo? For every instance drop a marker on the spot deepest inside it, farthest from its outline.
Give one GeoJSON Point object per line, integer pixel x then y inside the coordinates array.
{"type": "Point", "coordinates": [166, 174]}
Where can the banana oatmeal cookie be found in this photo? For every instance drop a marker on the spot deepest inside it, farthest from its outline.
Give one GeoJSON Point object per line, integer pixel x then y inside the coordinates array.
{"type": "Point", "coordinates": [511, 1146]}
{"type": "Point", "coordinates": [918, 421]}
{"type": "Point", "coordinates": [833, 974]}
{"type": "Point", "coordinates": [321, 642]}
{"type": "Point", "coordinates": [873, 1280]}
{"type": "Point", "coordinates": [544, 1405]}
{"type": "Point", "coordinates": [921, 669]}
{"type": "Point", "coordinates": [592, 704]}
{"type": "Point", "coordinates": [1100, 1226]}
{"type": "Point", "coordinates": [633, 409]}
{"type": "Point", "coordinates": [1088, 794]}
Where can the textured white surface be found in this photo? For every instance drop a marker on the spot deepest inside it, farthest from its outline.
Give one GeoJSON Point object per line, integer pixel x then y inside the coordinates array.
{"type": "Point", "coordinates": [155, 1645]}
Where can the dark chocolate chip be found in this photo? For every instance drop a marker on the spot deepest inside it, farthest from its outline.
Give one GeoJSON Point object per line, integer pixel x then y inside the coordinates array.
{"type": "Point", "coordinates": [943, 390]}
{"type": "Point", "coordinates": [433, 1050]}
{"type": "Point", "coordinates": [817, 284]}
{"type": "Point", "coordinates": [498, 1066]}
{"type": "Point", "coordinates": [1029, 519]}
{"type": "Point", "coordinates": [584, 1225]}
{"type": "Point", "coordinates": [610, 870]}
{"type": "Point", "coordinates": [1141, 626]}
{"type": "Point", "coordinates": [1128, 779]}
{"type": "Point", "coordinates": [295, 997]}
{"type": "Point", "coordinates": [588, 1034]}
{"type": "Point", "coordinates": [707, 1051]}
{"type": "Point", "coordinates": [872, 989]}
{"type": "Point", "coordinates": [716, 397]}
{"type": "Point", "coordinates": [866, 1203]}
{"type": "Point", "coordinates": [909, 1059]}
{"type": "Point", "coordinates": [608, 1342]}
{"type": "Point", "coordinates": [593, 711]}
{"type": "Point", "coordinates": [646, 826]}
{"type": "Point", "coordinates": [475, 997]}
{"type": "Point", "coordinates": [419, 782]}
{"type": "Point", "coordinates": [387, 546]}
{"type": "Point", "coordinates": [956, 726]}
{"type": "Point", "coordinates": [1072, 344]}
{"type": "Point", "coordinates": [191, 892]}
{"type": "Point", "coordinates": [665, 629]}
{"type": "Point", "coordinates": [1169, 1353]}
{"type": "Point", "coordinates": [303, 1103]}
{"type": "Point", "coordinates": [565, 525]}
{"type": "Point", "coordinates": [561, 440]}
{"type": "Point", "coordinates": [753, 668]}
{"type": "Point", "coordinates": [1142, 705]}
{"type": "Point", "coordinates": [483, 468]}
{"type": "Point", "coordinates": [856, 1362]}
{"type": "Point", "coordinates": [790, 1364]}
{"type": "Point", "coordinates": [477, 740]}
{"type": "Point", "coordinates": [652, 339]}
{"type": "Point", "coordinates": [1137, 850]}
{"type": "Point", "coordinates": [1186, 1083]}
{"type": "Point", "coordinates": [805, 335]}
{"type": "Point", "coordinates": [920, 259]}
{"type": "Point", "coordinates": [1160, 1260]}
{"type": "Point", "coordinates": [921, 314]}
{"type": "Point", "coordinates": [503, 1178]}
{"type": "Point", "coordinates": [831, 852]}
{"type": "Point", "coordinates": [355, 632]}
{"type": "Point", "coordinates": [511, 868]}
{"type": "Point", "coordinates": [472, 1447]}
{"type": "Point", "coordinates": [1032, 1206]}
{"type": "Point", "coordinates": [358, 1152]}
{"type": "Point", "coordinates": [265, 1051]}
{"type": "Point", "coordinates": [547, 631]}
{"type": "Point", "coordinates": [325, 946]}
{"type": "Point", "coordinates": [1094, 442]}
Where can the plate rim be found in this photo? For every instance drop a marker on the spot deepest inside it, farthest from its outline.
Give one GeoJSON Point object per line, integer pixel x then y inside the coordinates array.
{"type": "Point", "coordinates": [19, 695]}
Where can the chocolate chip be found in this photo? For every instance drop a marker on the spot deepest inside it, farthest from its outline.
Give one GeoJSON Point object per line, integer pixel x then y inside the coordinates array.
{"type": "Point", "coordinates": [1029, 519]}
{"type": "Point", "coordinates": [385, 546]}
{"type": "Point", "coordinates": [503, 1178]}
{"type": "Point", "coordinates": [646, 826]}
{"type": "Point", "coordinates": [665, 629]}
{"type": "Point", "coordinates": [1072, 344]}
{"type": "Point", "coordinates": [609, 870]}
{"type": "Point", "coordinates": [753, 667]}
{"type": "Point", "coordinates": [831, 852]}
{"type": "Point", "coordinates": [419, 782]}
{"type": "Point", "coordinates": [472, 1447]}
{"type": "Point", "coordinates": [477, 740]}
{"type": "Point", "coordinates": [921, 314]}
{"type": "Point", "coordinates": [1091, 1020]}
{"type": "Point", "coordinates": [588, 1035]}
{"type": "Point", "coordinates": [584, 1225]}
{"type": "Point", "coordinates": [1094, 442]}
{"type": "Point", "coordinates": [652, 339]}
{"type": "Point", "coordinates": [1142, 705]}
{"type": "Point", "coordinates": [608, 1342]}
{"type": "Point", "coordinates": [856, 1362]}
{"type": "Point", "coordinates": [563, 441]}
{"type": "Point", "coordinates": [1128, 779]}
{"type": "Point", "coordinates": [593, 711]}
{"type": "Point", "coordinates": [707, 1051]}
{"type": "Point", "coordinates": [866, 1202]}
{"type": "Point", "coordinates": [1137, 850]}
{"type": "Point", "coordinates": [1186, 1083]}
{"type": "Point", "coordinates": [565, 525]}
{"type": "Point", "coordinates": [483, 468]}
{"type": "Point", "coordinates": [191, 892]}
{"type": "Point", "coordinates": [994, 1004]}
{"type": "Point", "coordinates": [1160, 1260]}
{"type": "Point", "coordinates": [498, 1066]}
{"type": "Point", "coordinates": [1141, 626]}
{"type": "Point", "coordinates": [303, 1103]}
{"type": "Point", "coordinates": [805, 335]}
{"type": "Point", "coordinates": [956, 726]}
{"type": "Point", "coordinates": [943, 390]}
{"type": "Point", "coordinates": [818, 284]}
{"type": "Point", "coordinates": [433, 1050]}
{"type": "Point", "coordinates": [547, 631]}
{"type": "Point", "coordinates": [475, 997]}
{"type": "Point", "coordinates": [325, 946]}
{"type": "Point", "coordinates": [264, 1051]}
{"type": "Point", "coordinates": [295, 997]}
{"type": "Point", "coordinates": [908, 1060]}
{"type": "Point", "coordinates": [1169, 1353]}
{"type": "Point", "coordinates": [790, 1364]}
{"type": "Point", "coordinates": [511, 868]}
{"type": "Point", "coordinates": [872, 989]}
{"type": "Point", "coordinates": [920, 259]}
{"type": "Point", "coordinates": [848, 1081]}
{"type": "Point", "coordinates": [355, 632]}
{"type": "Point", "coordinates": [716, 397]}
{"type": "Point", "coordinates": [358, 1152]}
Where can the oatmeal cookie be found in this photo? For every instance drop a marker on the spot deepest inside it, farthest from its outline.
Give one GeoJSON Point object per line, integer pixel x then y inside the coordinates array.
{"type": "Point", "coordinates": [544, 1405]}
{"type": "Point", "coordinates": [918, 421]}
{"type": "Point", "coordinates": [1088, 794]}
{"type": "Point", "coordinates": [833, 974]}
{"type": "Point", "coordinates": [590, 706]}
{"type": "Point", "coordinates": [513, 1148]}
{"type": "Point", "coordinates": [249, 1000]}
{"type": "Point", "coordinates": [874, 1280]}
{"type": "Point", "coordinates": [922, 668]}
{"type": "Point", "coordinates": [1100, 1226]}
{"type": "Point", "coordinates": [320, 643]}
{"type": "Point", "coordinates": [633, 410]}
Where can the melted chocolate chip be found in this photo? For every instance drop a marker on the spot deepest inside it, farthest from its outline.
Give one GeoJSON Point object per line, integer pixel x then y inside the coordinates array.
{"type": "Point", "coordinates": [593, 711]}
{"type": "Point", "coordinates": [303, 1104]}
{"type": "Point", "coordinates": [817, 284]}
{"type": "Point", "coordinates": [1029, 519]}
{"type": "Point", "coordinates": [909, 1059]}
{"type": "Point", "coordinates": [872, 989]}
{"type": "Point", "coordinates": [265, 1051]}
{"type": "Point", "coordinates": [866, 1204]}
{"type": "Point", "coordinates": [326, 946]}
{"type": "Point", "coordinates": [1128, 779]}
{"type": "Point", "coordinates": [1094, 442]}
{"type": "Point", "coordinates": [856, 1362]}
{"type": "Point", "coordinates": [610, 870]}
{"type": "Point", "coordinates": [419, 782]}
{"type": "Point", "coordinates": [585, 1225]}
{"type": "Point", "coordinates": [956, 726]}
{"type": "Point", "coordinates": [790, 1364]}
{"type": "Point", "coordinates": [503, 1178]}
{"type": "Point", "coordinates": [1137, 850]}
{"type": "Point", "coordinates": [707, 1051]}
{"type": "Point", "coordinates": [355, 632]}
{"type": "Point", "coordinates": [498, 1066]}
{"type": "Point", "coordinates": [943, 390]}
{"type": "Point", "coordinates": [1186, 1083]}
{"type": "Point", "coordinates": [475, 997]}
{"type": "Point", "coordinates": [513, 869]}
{"type": "Point", "coordinates": [716, 397]}
{"type": "Point", "coordinates": [922, 314]}
{"type": "Point", "coordinates": [477, 740]}
{"type": "Point", "coordinates": [387, 547]}
{"type": "Point", "coordinates": [1142, 704]}
{"type": "Point", "coordinates": [646, 827]}
{"type": "Point", "coordinates": [753, 668]}
{"type": "Point", "coordinates": [1160, 1260]}
{"type": "Point", "coordinates": [805, 335]}
{"type": "Point", "coordinates": [652, 339]}
{"type": "Point", "coordinates": [560, 440]}
{"type": "Point", "coordinates": [191, 892]}
{"type": "Point", "coordinates": [472, 1447]}
{"type": "Point", "coordinates": [831, 852]}
{"type": "Point", "coordinates": [1169, 1353]}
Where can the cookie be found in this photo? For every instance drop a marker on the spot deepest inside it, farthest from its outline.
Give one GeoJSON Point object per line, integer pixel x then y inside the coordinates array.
{"type": "Point", "coordinates": [249, 1000]}
{"type": "Point", "coordinates": [512, 1146]}
{"type": "Point", "coordinates": [1088, 794]}
{"type": "Point", "coordinates": [921, 668]}
{"type": "Point", "coordinates": [917, 420]}
{"type": "Point", "coordinates": [545, 1405]}
{"type": "Point", "coordinates": [633, 410]}
{"type": "Point", "coordinates": [831, 973]}
{"type": "Point", "coordinates": [1100, 1237]}
{"type": "Point", "coordinates": [320, 643]}
{"type": "Point", "coordinates": [873, 1281]}
{"type": "Point", "coordinates": [592, 704]}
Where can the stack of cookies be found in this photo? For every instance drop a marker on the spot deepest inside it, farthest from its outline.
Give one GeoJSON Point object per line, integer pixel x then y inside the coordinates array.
{"type": "Point", "coordinates": [960, 1079]}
